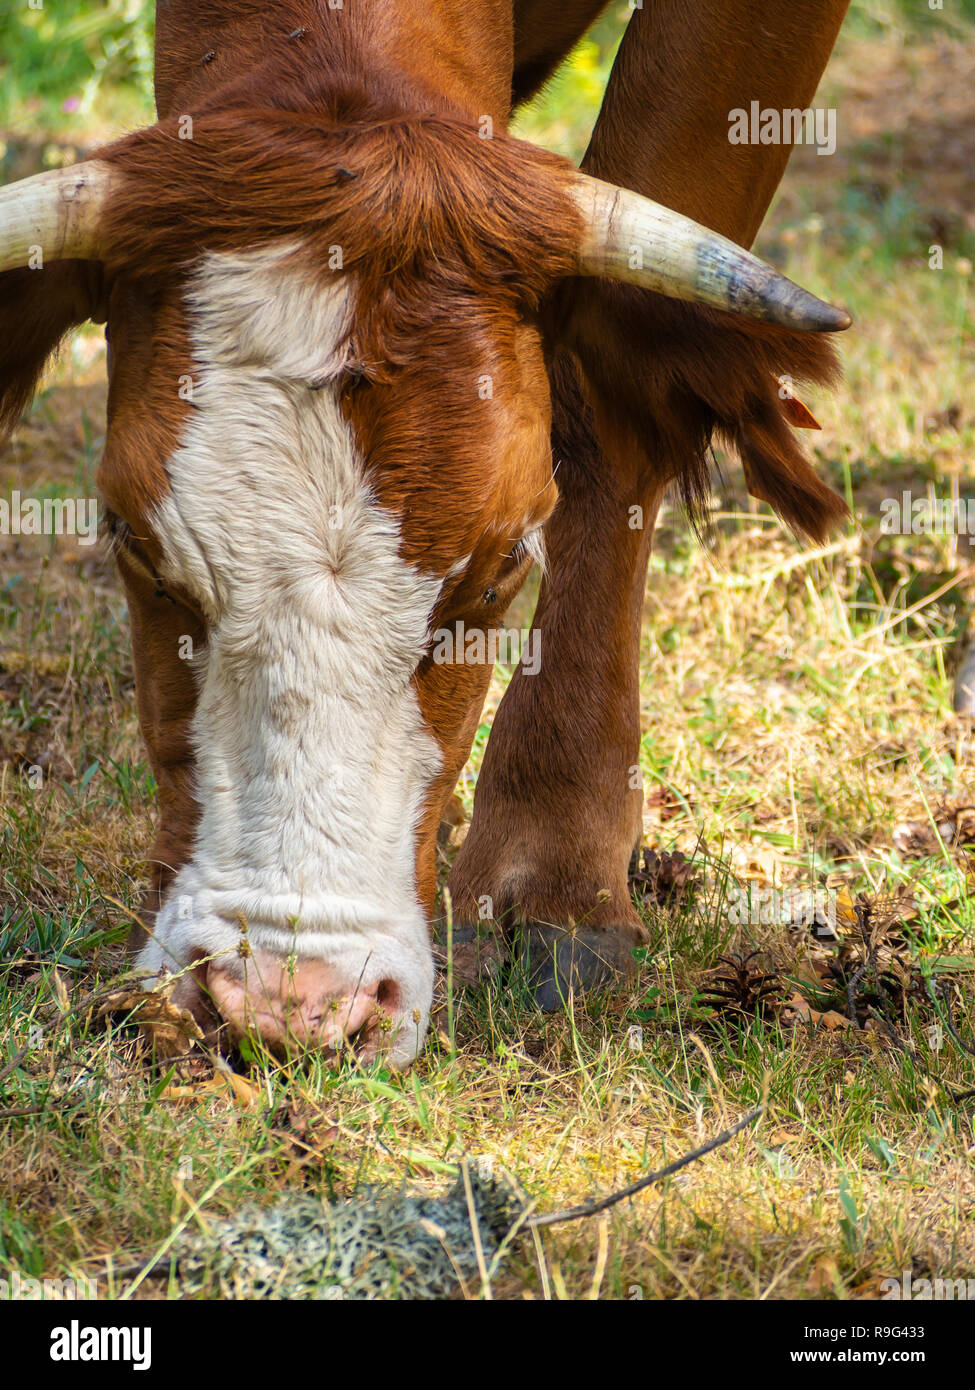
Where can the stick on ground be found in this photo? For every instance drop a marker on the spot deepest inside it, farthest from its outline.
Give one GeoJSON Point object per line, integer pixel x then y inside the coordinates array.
{"type": "Point", "coordinates": [597, 1204]}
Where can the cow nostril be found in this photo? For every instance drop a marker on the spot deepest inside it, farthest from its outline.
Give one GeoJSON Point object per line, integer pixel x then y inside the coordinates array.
{"type": "Point", "coordinates": [388, 995]}
{"type": "Point", "coordinates": [307, 1002]}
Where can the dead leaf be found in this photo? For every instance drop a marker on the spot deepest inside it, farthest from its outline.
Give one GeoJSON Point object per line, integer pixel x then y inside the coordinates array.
{"type": "Point", "coordinates": [814, 971]}
{"type": "Point", "coordinates": [227, 1085]}
{"type": "Point", "coordinates": [667, 803]}
{"type": "Point", "coordinates": [949, 826]}
{"type": "Point", "coordinates": [781, 1137]}
{"type": "Point", "coordinates": [758, 864]}
{"type": "Point", "coordinates": [830, 1020]}
{"type": "Point", "coordinates": [245, 1093]}
{"type": "Point", "coordinates": [664, 878]}
{"type": "Point", "coordinates": [170, 1029]}
{"type": "Point", "coordinates": [824, 1277]}
{"type": "Point", "coordinates": [60, 992]}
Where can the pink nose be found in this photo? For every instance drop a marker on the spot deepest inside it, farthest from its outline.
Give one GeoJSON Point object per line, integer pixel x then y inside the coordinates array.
{"type": "Point", "coordinates": [301, 1003]}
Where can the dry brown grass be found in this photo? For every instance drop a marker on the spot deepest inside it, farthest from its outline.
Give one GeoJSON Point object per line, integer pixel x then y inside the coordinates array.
{"type": "Point", "coordinates": [794, 708]}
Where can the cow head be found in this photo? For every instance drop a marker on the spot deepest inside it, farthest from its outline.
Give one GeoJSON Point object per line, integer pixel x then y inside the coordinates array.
{"type": "Point", "coordinates": [329, 442]}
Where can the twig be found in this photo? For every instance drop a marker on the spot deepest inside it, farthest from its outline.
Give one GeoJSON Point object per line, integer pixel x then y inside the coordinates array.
{"type": "Point", "coordinates": [597, 1204]}
{"type": "Point", "coordinates": [17, 1111]}
{"type": "Point", "coordinates": [938, 992]}
{"type": "Point", "coordinates": [851, 990]}
{"type": "Point", "coordinates": [15, 1061]}
{"type": "Point", "coordinates": [125, 1271]}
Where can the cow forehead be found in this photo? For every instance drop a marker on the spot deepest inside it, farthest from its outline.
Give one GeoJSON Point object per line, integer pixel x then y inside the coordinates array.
{"type": "Point", "coordinates": [460, 438]}
{"type": "Point", "coordinates": [452, 433]}
{"type": "Point", "coordinates": [267, 490]}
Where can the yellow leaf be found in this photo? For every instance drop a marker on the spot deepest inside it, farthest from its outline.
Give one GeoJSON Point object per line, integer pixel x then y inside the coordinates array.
{"type": "Point", "coordinates": [780, 1137]}
{"type": "Point", "coordinates": [845, 910]}
{"type": "Point", "coordinates": [244, 1092]}
{"type": "Point", "coordinates": [824, 1276]}
{"type": "Point", "coordinates": [60, 992]}
{"type": "Point", "coordinates": [225, 1084]}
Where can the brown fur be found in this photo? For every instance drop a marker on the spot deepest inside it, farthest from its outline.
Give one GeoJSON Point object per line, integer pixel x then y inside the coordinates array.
{"type": "Point", "coordinates": [683, 373]}
{"type": "Point", "coordinates": [647, 355]}
{"type": "Point", "coordinates": [556, 816]}
{"type": "Point", "coordinates": [557, 810]}
{"type": "Point", "coordinates": [453, 57]}
{"type": "Point", "coordinates": [457, 245]}
{"type": "Point", "coordinates": [37, 308]}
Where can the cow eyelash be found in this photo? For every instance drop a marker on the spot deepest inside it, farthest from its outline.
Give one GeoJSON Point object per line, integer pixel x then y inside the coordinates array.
{"type": "Point", "coordinates": [531, 544]}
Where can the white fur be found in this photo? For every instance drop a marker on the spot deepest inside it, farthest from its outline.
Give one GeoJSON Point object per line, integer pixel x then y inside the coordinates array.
{"type": "Point", "coordinates": [313, 756]}
{"type": "Point", "coordinates": [533, 544]}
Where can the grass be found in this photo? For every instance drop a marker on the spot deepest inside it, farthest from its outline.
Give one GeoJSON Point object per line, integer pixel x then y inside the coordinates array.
{"type": "Point", "coordinates": [797, 712]}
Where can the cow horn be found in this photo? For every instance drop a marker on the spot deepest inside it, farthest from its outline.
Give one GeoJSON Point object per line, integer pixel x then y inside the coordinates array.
{"type": "Point", "coordinates": [629, 237]}
{"type": "Point", "coordinates": [59, 212]}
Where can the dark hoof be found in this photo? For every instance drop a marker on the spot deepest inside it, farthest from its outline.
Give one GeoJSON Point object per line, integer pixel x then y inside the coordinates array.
{"type": "Point", "coordinates": [557, 960]}
{"type": "Point", "coordinates": [478, 955]}
{"type": "Point", "coordinates": [964, 696]}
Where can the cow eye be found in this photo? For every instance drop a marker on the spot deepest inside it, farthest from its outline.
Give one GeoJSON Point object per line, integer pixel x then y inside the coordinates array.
{"type": "Point", "coordinates": [529, 546]}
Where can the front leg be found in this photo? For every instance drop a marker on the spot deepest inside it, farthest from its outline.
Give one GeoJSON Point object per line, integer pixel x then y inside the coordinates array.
{"type": "Point", "coordinates": [558, 805]}
{"type": "Point", "coordinates": [559, 800]}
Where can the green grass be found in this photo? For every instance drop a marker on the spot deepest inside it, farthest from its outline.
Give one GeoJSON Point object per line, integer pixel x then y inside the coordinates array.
{"type": "Point", "coordinates": [794, 709]}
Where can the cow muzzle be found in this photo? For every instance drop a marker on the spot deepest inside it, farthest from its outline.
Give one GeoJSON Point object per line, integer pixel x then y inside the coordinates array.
{"type": "Point", "coordinates": [341, 995]}
{"type": "Point", "coordinates": [298, 1004]}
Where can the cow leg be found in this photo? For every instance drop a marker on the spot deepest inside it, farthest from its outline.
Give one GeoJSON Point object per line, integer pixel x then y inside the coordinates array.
{"type": "Point", "coordinates": [558, 804]}
{"type": "Point", "coordinates": [546, 31]}
{"type": "Point", "coordinates": [559, 801]}
{"type": "Point", "coordinates": [164, 634]}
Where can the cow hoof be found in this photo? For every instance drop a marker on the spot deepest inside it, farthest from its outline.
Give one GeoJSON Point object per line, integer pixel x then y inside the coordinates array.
{"type": "Point", "coordinates": [557, 960]}
{"type": "Point", "coordinates": [478, 956]}
{"type": "Point", "coordinates": [964, 693]}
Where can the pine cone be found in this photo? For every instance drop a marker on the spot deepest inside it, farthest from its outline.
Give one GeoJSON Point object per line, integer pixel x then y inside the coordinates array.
{"type": "Point", "coordinates": [741, 987]}
{"type": "Point", "coordinates": [664, 878]}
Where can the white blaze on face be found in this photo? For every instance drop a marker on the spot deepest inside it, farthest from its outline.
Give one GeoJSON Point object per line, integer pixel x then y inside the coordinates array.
{"type": "Point", "coordinates": [313, 757]}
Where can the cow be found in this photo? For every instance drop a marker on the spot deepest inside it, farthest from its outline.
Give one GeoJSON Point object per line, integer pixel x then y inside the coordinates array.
{"type": "Point", "coordinates": [369, 358]}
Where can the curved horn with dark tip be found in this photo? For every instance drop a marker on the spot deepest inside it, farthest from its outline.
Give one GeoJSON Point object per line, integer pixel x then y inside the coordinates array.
{"type": "Point", "coordinates": [59, 211]}
{"type": "Point", "coordinates": [632, 238]}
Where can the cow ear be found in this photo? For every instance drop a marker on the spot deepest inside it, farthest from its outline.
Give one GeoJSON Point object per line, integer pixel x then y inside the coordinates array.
{"type": "Point", "coordinates": [797, 414]}
{"type": "Point", "coordinates": [778, 472]}
{"type": "Point", "coordinates": [50, 271]}
{"type": "Point", "coordinates": [37, 308]}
